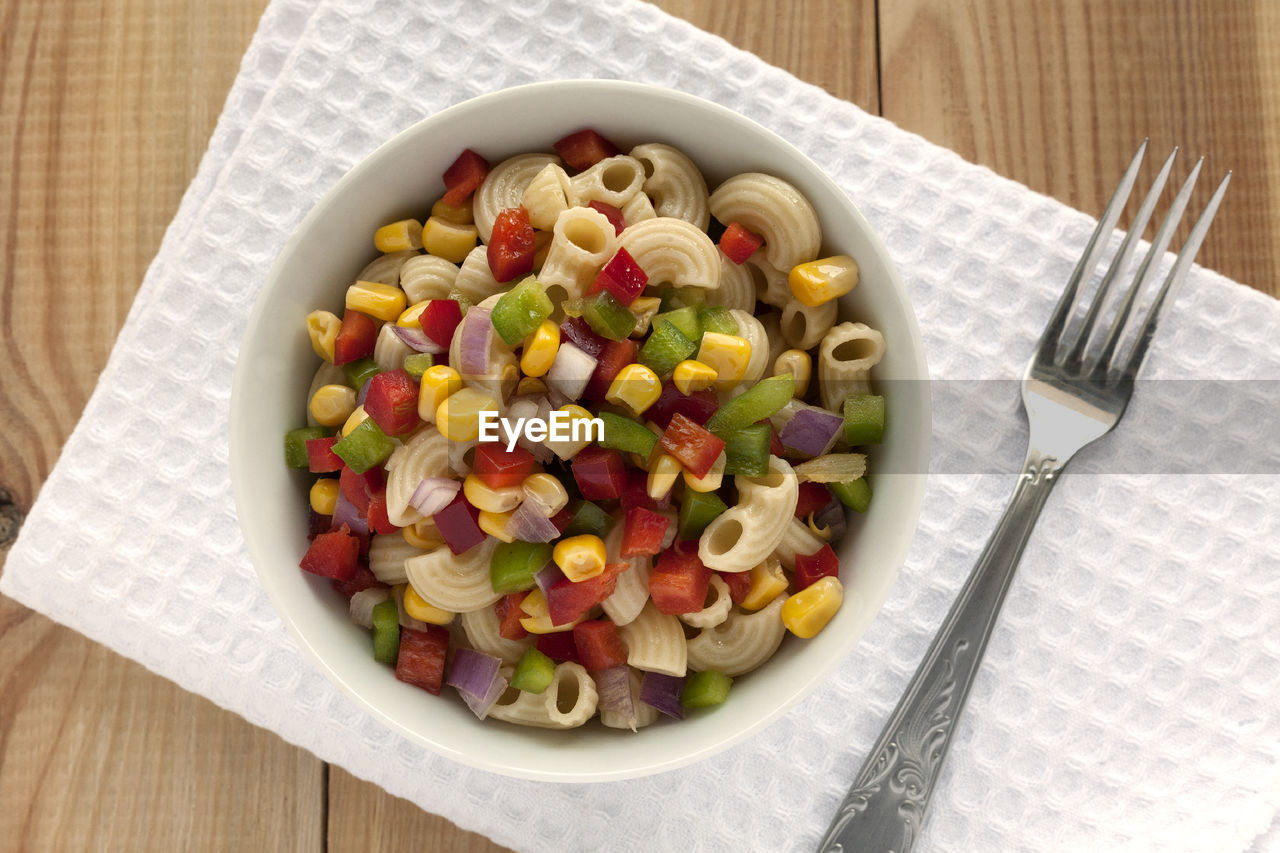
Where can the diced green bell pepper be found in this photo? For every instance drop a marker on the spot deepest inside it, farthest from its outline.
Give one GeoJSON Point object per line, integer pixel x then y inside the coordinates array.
{"type": "Point", "coordinates": [295, 445]}
{"type": "Point", "coordinates": [534, 672]}
{"type": "Point", "coordinates": [417, 363]}
{"type": "Point", "coordinates": [685, 319]}
{"type": "Point", "coordinates": [360, 371]}
{"type": "Point", "coordinates": [666, 347]}
{"type": "Point", "coordinates": [681, 297]}
{"type": "Point", "coordinates": [746, 451]}
{"type": "Point", "coordinates": [697, 510]}
{"type": "Point", "coordinates": [855, 494]}
{"type": "Point", "coordinates": [386, 631]}
{"type": "Point", "coordinates": [589, 518]}
{"type": "Point", "coordinates": [758, 402]}
{"type": "Point", "coordinates": [706, 688]}
{"type": "Point", "coordinates": [365, 446]}
{"type": "Point", "coordinates": [627, 435]}
{"type": "Point", "coordinates": [716, 318]}
{"type": "Point", "coordinates": [513, 565]}
{"type": "Point", "coordinates": [608, 317]}
{"type": "Point", "coordinates": [520, 310]}
{"type": "Point", "coordinates": [864, 419]}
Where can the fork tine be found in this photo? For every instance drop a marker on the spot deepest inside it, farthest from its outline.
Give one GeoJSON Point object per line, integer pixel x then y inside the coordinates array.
{"type": "Point", "coordinates": [1148, 267]}
{"type": "Point", "coordinates": [1168, 290]}
{"type": "Point", "coordinates": [1089, 260]}
{"type": "Point", "coordinates": [1121, 260]}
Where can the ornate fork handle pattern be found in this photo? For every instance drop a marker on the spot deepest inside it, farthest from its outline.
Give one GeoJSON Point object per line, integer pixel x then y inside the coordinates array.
{"type": "Point", "coordinates": [884, 809]}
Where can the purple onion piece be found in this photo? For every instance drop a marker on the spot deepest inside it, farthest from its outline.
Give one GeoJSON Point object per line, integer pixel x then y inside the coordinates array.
{"type": "Point", "coordinates": [364, 392]}
{"type": "Point", "coordinates": [529, 525]}
{"type": "Point", "coordinates": [663, 693]}
{"type": "Point", "coordinates": [434, 494]}
{"type": "Point", "coordinates": [473, 672]}
{"type": "Point", "coordinates": [345, 512]}
{"type": "Point", "coordinates": [416, 339]}
{"type": "Point", "coordinates": [614, 686]}
{"type": "Point", "coordinates": [570, 372]}
{"type": "Point", "coordinates": [477, 334]}
{"type": "Point", "coordinates": [548, 576]}
{"type": "Point", "coordinates": [833, 518]}
{"type": "Point", "coordinates": [812, 431]}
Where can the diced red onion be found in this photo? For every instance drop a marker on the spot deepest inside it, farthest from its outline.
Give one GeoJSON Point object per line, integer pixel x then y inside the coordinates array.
{"type": "Point", "coordinates": [362, 604]}
{"type": "Point", "coordinates": [614, 687]}
{"type": "Point", "coordinates": [832, 517]}
{"type": "Point", "coordinates": [529, 525]}
{"type": "Point", "coordinates": [548, 576]}
{"type": "Point", "coordinates": [663, 693]}
{"type": "Point", "coordinates": [345, 512]}
{"type": "Point", "coordinates": [477, 334]}
{"type": "Point", "coordinates": [364, 392]}
{"type": "Point", "coordinates": [481, 706]}
{"type": "Point", "coordinates": [475, 675]}
{"type": "Point", "coordinates": [812, 431]}
{"type": "Point", "coordinates": [434, 494]}
{"type": "Point", "coordinates": [571, 371]}
{"type": "Point", "coordinates": [416, 339]}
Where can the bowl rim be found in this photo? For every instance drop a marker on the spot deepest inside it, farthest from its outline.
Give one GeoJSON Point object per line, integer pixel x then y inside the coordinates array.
{"type": "Point", "coordinates": [239, 437]}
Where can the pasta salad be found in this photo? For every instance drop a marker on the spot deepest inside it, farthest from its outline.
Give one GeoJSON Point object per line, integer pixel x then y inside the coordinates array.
{"type": "Point", "coordinates": [583, 440]}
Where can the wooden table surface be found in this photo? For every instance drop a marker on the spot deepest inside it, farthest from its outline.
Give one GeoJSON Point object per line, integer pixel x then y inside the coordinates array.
{"type": "Point", "coordinates": [107, 106]}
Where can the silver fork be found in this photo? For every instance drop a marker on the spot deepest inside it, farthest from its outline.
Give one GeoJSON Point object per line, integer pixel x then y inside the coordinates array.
{"type": "Point", "coordinates": [1074, 391]}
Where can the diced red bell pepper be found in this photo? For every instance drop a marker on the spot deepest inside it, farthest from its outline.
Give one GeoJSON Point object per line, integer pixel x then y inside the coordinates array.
{"type": "Point", "coordinates": [392, 402]}
{"type": "Point", "coordinates": [356, 337]}
{"type": "Point", "coordinates": [642, 533]}
{"type": "Point", "coordinates": [509, 616]}
{"type": "Point", "coordinates": [695, 448]}
{"type": "Point", "coordinates": [813, 497]}
{"type": "Point", "coordinates": [511, 248]}
{"type": "Point", "coordinates": [679, 581]}
{"type": "Point", "coordinates": [599, 645]}
{"type": "Point", "coordinates": [360, 488]}
{"type": "Point", "coordinates": [584, 149]}
{"type": "Point", "coordinates": [776, 447]}
{"type": "Point", "coordinates": [615, 217]}
{"type": "Point", "coordinates": [601, 472]}
{"type": "Point", "coordinates": [377, 514]}
{"type": "Point", "coordinates": [636, 492]}
{"type": "Point", "coordinates": [811, 568]}
{"type": "Point", "coordinates": [622, 277]}
{"type": "Point", "coordinates": [421, 658]}
{"type": "Point", "coordinates": [439, 320]}
{"type": "Point", "coordinates": [576, 331]}
{"type": "Point", "coordinates": [363, 579]}
{"type": "Point", "coordinates": [614, 356]}
{"type": "Point", "coordinates": [499, 467]}
{"type": "Point", "coordinates": [569, 600]}
{"type": "Point", "coordinates": [739, 584]}
{"type": "Point", "coordinates": [335, 555]}
{"type": "Point", "coordinates": [559, 646]}
{"type": "Point", "coordinates": [561, 519]}
{"type": "Point", "coordinates": [459, 525]}
{"type": "Point", "coordinates": [320, 456]}
{"type": "Point", "coordinates": [697, 407]}
{"type": "Point", "coordinates": [738, 243]}
{"type": "Point", "coordinates": [463, 176]}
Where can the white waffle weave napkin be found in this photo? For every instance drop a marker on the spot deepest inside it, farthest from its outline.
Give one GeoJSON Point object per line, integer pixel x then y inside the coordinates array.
{"type": "Point", "coordinates": [1129, 696]}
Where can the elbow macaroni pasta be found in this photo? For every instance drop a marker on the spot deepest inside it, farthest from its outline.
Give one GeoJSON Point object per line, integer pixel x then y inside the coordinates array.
{"type": "Point", "coordinates": [481, 628]}
{"type": "Point", "coordinates": [385, 269]}
{"type": "Point", "coordinates": [571, 685]}
{"type": "Point", "coordinates": [426, 454]}
{"type": "Point", "coordinates": [475, 280]}
{"type": "Point", "coordinates": [714, 613]}
{"type": "Point", "coordinates": [388, 350]}
{"type": "Point", "coordinates": [673, 251]}
{"type": "Point", "coordinates": [614, 180]}
{"type": "Point", "coordinates": [547, 196]}
{"type": "Point", "coordinates": [582, 242]}
{"type": "Point", "coordinates": [740, 643]}
{"type": "Point", "coordinates": [735, 539]}
{"type": "Point", "coordinates": [632, 588]}
{"type": "Point", "coordinates": [774, 209]}
{"type": "Point", "coordinates": [387, 553]}
{"type": "Point", "coordinates": [674, 183]}
{"type": "Point", "coordinates": [425, 277]}
{"type": "Point", "coordinates": [803, 326]}
{"type": "Point", "coordinates": [655, 642]}
{"type": "Point", "coordinates": [797, 539]}
{"type": "Point", "coordinates": [457, 583]}
{"type": "Point", "coordinates": [504, 187]}
{"type": "Point", "coordinates": [848, 353]}
{"type": "Point", "coordinates": [737, 289]}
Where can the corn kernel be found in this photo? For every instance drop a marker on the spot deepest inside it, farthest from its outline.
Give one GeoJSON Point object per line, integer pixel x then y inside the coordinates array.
{"type": "Point", "coordinates": [332, 404]}
{"type": "Point", "coordinates": [690, 376]}
{"type": "Point", "coordinates": [380, 301]}
{"type": "Point", "coordinates": [645, 308]}
{"type": "Point", "coordinates": [438, 383]}
{"type": "Point", "coordinates": [530, 386]}
{"type": "Point", "coordinates": [458, 214]}
{"type": "Point", "coordinates": [820, 281]}
{"type": "Point", "coordinates": [423, 534]}
{"type": "Point", "coordinates": [540, 349]}
{"type": "Point", "coordinates": [357, 415]}
{"type": "Point", "coordinates": [580, 557]}
{"type": "Point", "coordinates": [449, 240]}
{"type": "Point", "coordinates": [410, 317]}
{"type": "Point", "coordinates": [727, 355]}
{"type": "Point", "coordinates": [497, 525]}
{"type": "Point", "coordinates": [663, 473]}
{"type": "Point", "coordinates": [322, 328]}
{"type": "Point", "coordinates": [798, 363]}
{"type": "Point", "coordinates": [636, 387]}
{"type": "Point", "coordinates": [709, 481]}
{"type": "Point", "coordinates": [569, 448]}
{"type": "Point", "coordinates": [482, 496]}
{"type": "Point", "coordinates": [535, 603]}
{"type": "Point", "coordinates": [458, 417]}
{"type": "Point", "coordinates": [545, 493]}
{"type": "Point", "coordinates": [324, 495]}
{"type": "Point", "coordinates": [809, 610]}
{"type": "Point", "coordinates": [424, 611]}
{"type": "Point", "coordinates": [767, 583]}
{"type": "Point", "coordinates": [398, 236]}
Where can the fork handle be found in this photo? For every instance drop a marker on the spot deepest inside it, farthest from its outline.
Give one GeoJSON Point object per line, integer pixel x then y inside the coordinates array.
{"type": "Point", "coordinates": [885, 807]}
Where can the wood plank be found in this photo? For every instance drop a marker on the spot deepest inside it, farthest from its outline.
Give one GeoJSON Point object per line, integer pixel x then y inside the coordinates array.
{"type": "Point", "coordinates": [1057, 94]}
{"type": "Point", "coordinates": [105, 109]}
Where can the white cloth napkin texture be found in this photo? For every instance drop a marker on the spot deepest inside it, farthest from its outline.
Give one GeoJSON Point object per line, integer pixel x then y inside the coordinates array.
{"type": "Point", "coordinates": [1128, 699]}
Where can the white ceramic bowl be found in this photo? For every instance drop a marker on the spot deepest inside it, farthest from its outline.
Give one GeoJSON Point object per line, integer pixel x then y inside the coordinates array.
{"type": "Point", "coordinates": [333, 243]}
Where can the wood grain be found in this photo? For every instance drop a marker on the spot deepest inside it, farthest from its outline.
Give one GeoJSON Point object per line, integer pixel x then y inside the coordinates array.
{"type": "Point", "coordinates": [105, 109]}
